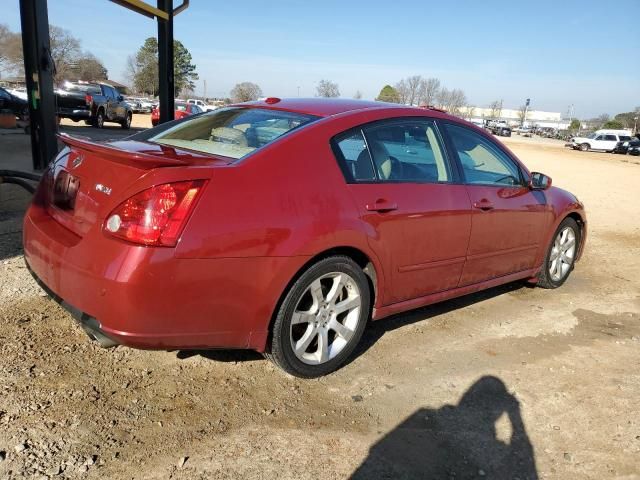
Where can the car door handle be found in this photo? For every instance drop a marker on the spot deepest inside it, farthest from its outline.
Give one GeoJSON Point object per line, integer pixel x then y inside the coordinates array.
{"type": "Point", "coordinates": [381, 205]}
{"type": "Point", "coordinates": [484, 205]}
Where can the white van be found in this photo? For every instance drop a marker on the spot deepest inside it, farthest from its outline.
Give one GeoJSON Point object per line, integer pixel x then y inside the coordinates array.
{"type": "Point", "coordinates": [600, 140]}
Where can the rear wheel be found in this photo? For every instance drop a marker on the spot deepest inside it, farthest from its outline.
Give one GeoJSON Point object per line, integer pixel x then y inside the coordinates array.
{"type": "Point", "coordinates": [99, 122]}
{"type": "Point", "coordinates": [584, 147]}
{"type": "Point", "coordinates": [321, 318]}
{"type": "Point", "coordinates": [561, 256]}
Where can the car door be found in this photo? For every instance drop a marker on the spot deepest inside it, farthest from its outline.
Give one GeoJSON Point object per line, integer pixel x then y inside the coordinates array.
{"type": "Point", "coordinates": [119, 105]}
{"type": "Point", "coordinates": [610, 142]}
{"type": "Point", "coordinates": [509, 219]}
{"type": "Point", "coordinates": [599, 143]}
{"type": "Point", "coordinates": [406, 191]}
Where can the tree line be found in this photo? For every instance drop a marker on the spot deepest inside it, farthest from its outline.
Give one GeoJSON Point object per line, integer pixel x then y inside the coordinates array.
{"type": "Point", "coordinates": [71, 61]}
{"type": "Point", "coordinates": [416, 90]}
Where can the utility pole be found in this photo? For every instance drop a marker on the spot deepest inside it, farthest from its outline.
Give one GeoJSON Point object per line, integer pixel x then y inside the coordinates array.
{"type": "Point", "coordinates": [526, 109]}
{"type": "Point", "coordinates": [205, 90]}
{"type": "Point", "coordinates": [298, 91]}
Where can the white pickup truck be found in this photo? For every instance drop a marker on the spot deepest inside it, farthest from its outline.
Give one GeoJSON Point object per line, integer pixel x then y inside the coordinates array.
{"type": "Point", "coordinates": [204, 106]}
{"type": "Point", "coordinates": [600, 140]}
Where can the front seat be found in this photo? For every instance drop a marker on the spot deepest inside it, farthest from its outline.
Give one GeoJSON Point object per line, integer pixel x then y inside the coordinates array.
{"type": "Point", "coordinates": [382, 160]}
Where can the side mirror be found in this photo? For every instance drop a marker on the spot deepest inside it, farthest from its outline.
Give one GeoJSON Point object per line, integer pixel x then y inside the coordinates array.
{"type": "Point", "coordinates": [539, 181]}
{"type": "Point", "coordinates": [120, 98]}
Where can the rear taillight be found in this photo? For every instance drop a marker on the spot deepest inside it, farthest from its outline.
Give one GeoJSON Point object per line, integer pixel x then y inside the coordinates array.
{"type": "Point", "coordinates": [88, 99]}
{"type": "Point", "coordinates": [155, 216]}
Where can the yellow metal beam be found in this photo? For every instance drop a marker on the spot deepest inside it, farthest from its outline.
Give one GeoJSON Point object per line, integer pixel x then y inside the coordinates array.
{"type": "Point", "coordinates": [143, 8]}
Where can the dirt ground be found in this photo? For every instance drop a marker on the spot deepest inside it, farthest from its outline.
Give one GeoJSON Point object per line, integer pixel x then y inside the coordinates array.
{"type": "Point", "coordinates": [515, 382]}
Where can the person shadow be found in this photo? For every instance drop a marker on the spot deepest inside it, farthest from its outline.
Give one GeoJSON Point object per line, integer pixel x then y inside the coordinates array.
{"type": "Point", "coordinates": [457, 441]}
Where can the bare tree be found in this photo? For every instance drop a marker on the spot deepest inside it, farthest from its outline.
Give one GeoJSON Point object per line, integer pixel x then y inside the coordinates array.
{"type": "Point", "coordinates": [132, 71]}
{"type": "Point", "coordinates": [327, 88]}
{"type": "Point", "coordinates": [496, 108]}
{"type": "Point", "coordinates": [10, 51]}
{"type": "Point", "coordinates": [403, 91]}
{"type": "Point", "coordinates": [522, 114]}
{"type": "Point", "coordinates": [429, 91]}
{"type": "Point", "coordinates": [469, 112]}
{"type": "Point", "coordinates": [246, 92]}
{"type": "Point", "coordinates": [358, 95]}
{"type": "Point", "coordinates": [457, 100]}
{"type": "Point", "coordinates": [65, 51]}
{"type": "Point", "coordinates": [443, 99]}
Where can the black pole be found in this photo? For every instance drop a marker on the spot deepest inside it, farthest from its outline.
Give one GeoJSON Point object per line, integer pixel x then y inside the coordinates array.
{"type": "Point", "coordinates": [39, 70]}
{"type": "Point", "coordinates": [165, 62]}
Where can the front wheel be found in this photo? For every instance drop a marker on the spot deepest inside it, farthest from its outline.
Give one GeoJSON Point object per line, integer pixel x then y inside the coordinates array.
{"type": "Point", "coordinates": [584, 147]}
{"type": "Point", "coordinates": [561, 256]}
{"type": "Point", "coordinates": [321, 318]}
{"type": "Point", "coordinates": [126, 123]}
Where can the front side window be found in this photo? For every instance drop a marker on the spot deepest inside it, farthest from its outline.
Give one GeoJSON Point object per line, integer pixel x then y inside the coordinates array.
{"type": "Point", "coordinates": [407, 152]}
{"type": "Point", "coordinates": [232, 132]}
{"type": "Point", "coordinates": [481, 160]}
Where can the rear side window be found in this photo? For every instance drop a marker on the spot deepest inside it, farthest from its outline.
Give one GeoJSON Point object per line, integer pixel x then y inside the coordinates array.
{"type": "Point", "coordinates": [624, 138]}
{"type": "Point", "coordinates": [610, 138]}
{"type": "Point", "coordinates": [232, 132]}
{"type": "Point", "coordinates": [356, 160]}
{"type": "Point", "coordinates": [481, 160]}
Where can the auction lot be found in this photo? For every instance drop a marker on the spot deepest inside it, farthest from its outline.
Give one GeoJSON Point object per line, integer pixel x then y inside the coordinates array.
{"type": "Point", "coordinates": [514, 382]}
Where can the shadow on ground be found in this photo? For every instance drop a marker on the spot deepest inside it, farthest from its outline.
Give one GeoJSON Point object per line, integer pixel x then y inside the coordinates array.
{"type": "Point", "coordinates": [457, 441]}
{"type": "Point", "coordinates": [375, 330]}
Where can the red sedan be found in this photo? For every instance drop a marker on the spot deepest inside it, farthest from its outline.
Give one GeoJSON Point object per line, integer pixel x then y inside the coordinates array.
{"type": "Point", "coordinates": [182, 110]}
{"type": "Point", "coordinates": [284, 226]}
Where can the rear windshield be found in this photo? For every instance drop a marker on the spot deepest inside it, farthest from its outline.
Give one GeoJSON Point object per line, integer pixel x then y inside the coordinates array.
{"type": "Point", "coordinates": [233, 132]}
{"type": "Point", "coordinates": [82, 88]}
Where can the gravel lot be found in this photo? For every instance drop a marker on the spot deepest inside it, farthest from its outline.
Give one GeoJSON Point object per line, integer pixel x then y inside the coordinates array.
{"type": "Point", "coordinates": [515, 382]}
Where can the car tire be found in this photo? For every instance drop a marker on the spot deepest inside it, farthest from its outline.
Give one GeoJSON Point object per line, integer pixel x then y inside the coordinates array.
{"type": "Point", "coordinates": [99, 122]}
{"type": "Point", "coordinates": [584, 147]}
{"type": "Point", "coordinates": [323, 314]}
{"type": "Point", "coordinates": [561, 255]}
{"type": "Point", "coordinates": [126, 123]}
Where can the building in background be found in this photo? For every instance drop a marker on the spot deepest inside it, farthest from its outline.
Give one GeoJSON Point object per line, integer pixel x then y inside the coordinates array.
{"type": "Point", "coordinates": [535, 118]}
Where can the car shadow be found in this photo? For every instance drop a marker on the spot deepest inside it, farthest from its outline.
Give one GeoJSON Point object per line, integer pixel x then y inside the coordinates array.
{"type": "Point", "coordinates": [376, 329]}
{"type": "Point", "coordinates": [457, 441]}
{"type": "Point", "coordinates": [224, 356]}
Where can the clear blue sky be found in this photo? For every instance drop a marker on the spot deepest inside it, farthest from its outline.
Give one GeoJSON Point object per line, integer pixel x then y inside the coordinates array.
{"type": "Point", "coordinates": [555, 52]}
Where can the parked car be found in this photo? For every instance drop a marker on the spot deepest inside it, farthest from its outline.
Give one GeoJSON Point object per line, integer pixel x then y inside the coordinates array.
{"type": "Point", "coordinates": [18, 106]}
{"type": "Point", "coordinates": [182, 110]}
{"type": "Point", "coordinates": [283, 226]}
{"type": "Point", "coordinates": [606, 140]}
{"type": "Point", "coordinates": [624, 146]}
{"type": "Point", "coordinates": [500, 129]}
{"type": "Point", "coordinates": [96, 103]}
{"type": "Point", "coordinates": [634, 149]}
{"type": "Point", "coordinates": [203, 105]}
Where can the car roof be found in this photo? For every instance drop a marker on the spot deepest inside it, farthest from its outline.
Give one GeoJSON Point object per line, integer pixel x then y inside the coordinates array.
{"type": "Point", "coordinates": [321, 107]}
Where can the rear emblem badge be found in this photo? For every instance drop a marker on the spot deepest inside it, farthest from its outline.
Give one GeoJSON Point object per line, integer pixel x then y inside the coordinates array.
{"type": "Point", "coordinates": [103, 188]}
{"type": "Point", "coordinates": [77, 161]}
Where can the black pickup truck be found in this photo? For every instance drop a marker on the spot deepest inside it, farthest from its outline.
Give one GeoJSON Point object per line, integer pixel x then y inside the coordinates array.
{"type": "Point", "coordinates": [95, 103]}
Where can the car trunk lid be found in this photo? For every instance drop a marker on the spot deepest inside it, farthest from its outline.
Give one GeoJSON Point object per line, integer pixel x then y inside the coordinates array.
{"type": "Point", "coordinates": [91, 178]}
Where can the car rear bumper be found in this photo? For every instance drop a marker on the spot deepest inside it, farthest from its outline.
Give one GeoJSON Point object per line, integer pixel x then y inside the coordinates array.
{"type": "Point", "coordinates": [146, 298]}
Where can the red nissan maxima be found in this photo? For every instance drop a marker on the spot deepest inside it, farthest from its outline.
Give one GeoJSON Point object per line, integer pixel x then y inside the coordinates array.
{"type": "Point", "coordinates": [284, 226]}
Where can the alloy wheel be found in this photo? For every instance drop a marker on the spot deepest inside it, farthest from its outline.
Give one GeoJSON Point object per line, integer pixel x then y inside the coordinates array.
{"type": "Point", "coordinates": [325, 318]}
{"type": "Point", "coordinates": [562, 254]}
